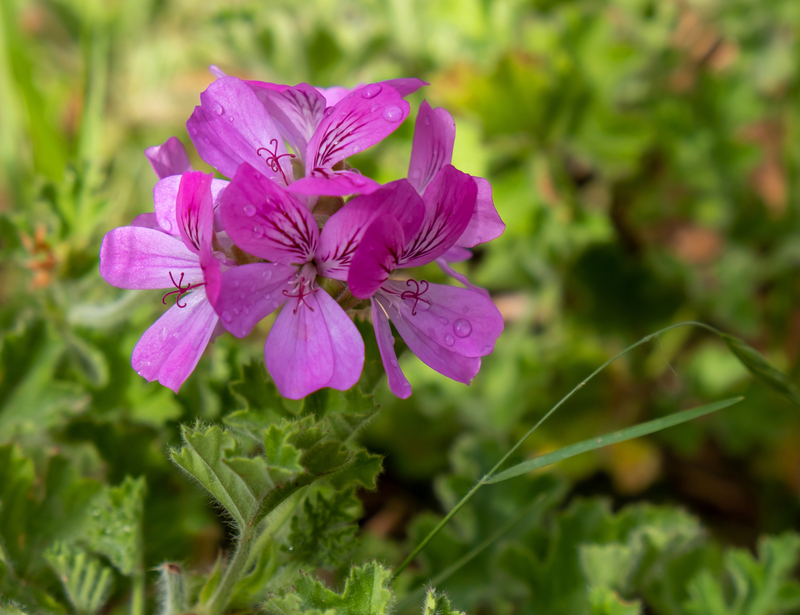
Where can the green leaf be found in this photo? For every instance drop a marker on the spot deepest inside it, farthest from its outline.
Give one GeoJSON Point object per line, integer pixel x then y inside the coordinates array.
{"type": "Point", "coordinates": [366, 592]}
{"type": "Point", "coordinates": [612, 438]}
{"type": "Point", "coordinates": [759, 586]}
{"type": "Point", "coordinates": [86, 580]}
{"type": "Point", "coordinates": [605, 601]}
{"type": "Point", "coordinates": [257, 391]}
{"type": "Point", "coordinates": [16, 480]}
{"type": "Point", "coordinates": [438, 604]}
{"type": "Point", "coordinates": [610, 565]}
{"type": "Point", "coordinates": [323, 534]}
{"type": "Point", "coordinates": [363, 470]}
{"type": "Point", "coordinates": [114, 525]}
{"type": "Point", "coordinates": [761, 368]}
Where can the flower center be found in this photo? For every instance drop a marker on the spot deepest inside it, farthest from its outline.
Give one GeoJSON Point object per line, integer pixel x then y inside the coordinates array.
{"type": "Point", "coordinates": [273, 160]}
{"type": "Point", "coordinates": [305, 286]}
{"type": "Point", "coordinates": [180, 291]}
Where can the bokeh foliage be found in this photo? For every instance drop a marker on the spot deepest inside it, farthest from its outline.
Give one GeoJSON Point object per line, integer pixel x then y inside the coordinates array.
{"type": "Point", "coordinates": [644, 156]}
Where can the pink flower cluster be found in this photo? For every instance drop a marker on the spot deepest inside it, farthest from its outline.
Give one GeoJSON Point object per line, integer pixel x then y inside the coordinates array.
{"type": "Point", "coordinates": [278, 236]}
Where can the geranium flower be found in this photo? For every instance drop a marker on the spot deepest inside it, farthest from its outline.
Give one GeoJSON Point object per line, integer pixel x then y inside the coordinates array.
{"type": "Point", "coordinates": [240, 121]}
{"type": "Point", "coordinates": [313, 343]}
{"type": "Point", "coordinates": [145, 256]}
{"type": "Point", "coordinates": [448, 328]}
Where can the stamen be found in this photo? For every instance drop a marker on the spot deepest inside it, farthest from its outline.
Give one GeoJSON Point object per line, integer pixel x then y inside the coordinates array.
{"type": "Point", "coordinates": [301, 294]}
{"type": "Point", "coordinates": [415, 294]}
{"type": "Point", "coordinates": [180, 291]}
{"type": "Point", "coordinates": [273, 160]}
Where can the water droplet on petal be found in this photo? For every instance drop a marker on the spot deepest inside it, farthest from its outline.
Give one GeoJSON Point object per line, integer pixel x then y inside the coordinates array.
{"type": "Point", "coordinates": [258, 231]}
{"type": "Point", "coordinates": [166, 225]}
{"type": "Point", "coordinates": [444, 320]}
{"type": "Point", "coordinates": [371, 91]}
{"type": "Point", "coordinates": [393, 362]}
{"type": "Point", "coordinates": [206, 140]}
{"type": "Point", "coordinates": [266, 296]}
{"type": "Point", "coordinates": [230, 118]}
{"type": "Point", "coordinates": [226, 316]}
{"type": "Point", "coordinates": [193, 130]}
{"type": "Point", "coordinates": [423, 306]}
{"type": "Point", "coordinates": [393, 340]}
{"type": "Point", "coordinates": [328, 111]}
{"type": "Point", "coordinates": [462, 327]}
{"type": "Point", "coordinates": [246, 311]}
{"type": "Point", "coordinates": [392, 114]}
{"type": "Point", "coordinates": [414, 173]}
{"type": "Point", "coordinates": [427, 120]}
{"type": "Point", "coordinates": [357, 180]}
{"type": "Point", "coordinates": [218, 109]}
{"type": "Point", "coordinates": [256, 175]}
{"type": "Point", "coordinates": [236, 282]}
{"type": "Point", "coordinates": [448, 339]}
{"type": "Point", "coordinates": [374, 108]}
{"type": "Point", "coordinates": [236, 311]}
{"type": "Point", "coordinates": [249, 209]}
{"type": "Point", "coordinates": [267, 273]}
{"type": "Point", "coordinates": [242, 295]}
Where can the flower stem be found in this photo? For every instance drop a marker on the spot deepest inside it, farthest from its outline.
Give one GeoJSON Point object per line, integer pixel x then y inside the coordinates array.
{"type": "Point", "coordinates": [418, 549]}
{"type": "Point", "coordinates": [234, 571]}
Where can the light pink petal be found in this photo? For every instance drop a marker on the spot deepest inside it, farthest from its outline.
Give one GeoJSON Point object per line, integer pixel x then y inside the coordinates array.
{"type": "Point", "coordinates": [458, 319]}
{"type": "Point", "coordinates": [334, 183]}
{"type": "Point", "coordinates": [360, 120]}
{"type": "Point", "coordinates": [449, 204]}
{"type": "Point", "coordinates": [434, 137]}
{"type": "Point", "coordinates": [485, 223]}
{"type": "Point", "coordinates": [333, 95]}
{"type": "Point", "coordinates": [297, 111]}
{"type": "Point", "coordinates": [165, 198]}
{"type": "Point", "coordinates": [398, 383]}
{"type": "Point", "coordinates": [405, 85]}
{"type": "Point", "coordinates": [170, 349]}
{"type": "Point", "coordinates": [455, 366]}
{"type": "Point", "coordinates": [344, 229]}
{"type": "Point", "coordinates": [375, 257]}
{"type": "Point", "coordinates": [232, 126]}
{"type": "Point", "coordinates": [194, 210]}
{"type": "Point", "coordinates": [250, 292]}
{"type": "Point", "coordinates": [139, 258]}
{"type": "Point", "coordinates": [346, 342]}
{"type": "Point", "coordinates": [456, 255]}
{"type": "Point", "coordinates": [217, 71]}
{"type": "Point", "coordinates": [266, 221]}
{"type": "Point", "coordinates": [147, 220]}
{"type": "Point", "coordinates": [169, 158]}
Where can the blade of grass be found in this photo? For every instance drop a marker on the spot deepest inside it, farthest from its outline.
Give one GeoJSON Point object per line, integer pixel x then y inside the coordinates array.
{"type": "Point", "coordinates": [612, 438]}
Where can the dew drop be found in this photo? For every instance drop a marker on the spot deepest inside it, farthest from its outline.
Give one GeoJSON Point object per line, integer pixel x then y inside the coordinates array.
{"type": "Point", "coordinates": [371, 91]}
{"type": "Point", "coordinates": [392, 114]}
{"type": "Point", "coordinates": [242, 295]}
{"type": "Point", "coordinates": [374, 108]}
{"type": "Point", "coordinates": [393, 340]}
{"type": "Point", "coordinates": [193, 130]}
{"type": "Point", "coordinates": [166, 225]}
{"type": "Point", "coordinates": [462, 327]}
{"type": "Point", "coordinates": [448, 339]}
{"type": "Point", "coordinates": [359, 181]}
{"type": "Point", "coordinates": [258, 231]}
{"type": "Point", "coordinates": [444, 320]}
{"type": "Point", "coordinates": [422, 306]}
{"type": "Point", "coordinates": [226, 316]}
{"type": "Point", "coordinates": [236, 311]}
{"type": "Point", "coordinates": [267, 273]}
{"type": "Point", "coordinates": [256, 175]}
{"type": "Point", "coordinates": [427, 120]}
{"type": "Point", "coordinates": [266, 296]}
{"type": "Point", "coordinates": [249, 209]}
{"type": "Point", "coordinates": [328, 111]}
{"type": "Point", "coordinates": [414, 173]}
{"type": "Point", "coordinates": [246, 311]}
{"type": "Point", "coordinates": [206, 140]}
{"type": "Point", "coordinates": [230, 118]}
{"type": "Point", "coordinates": [236, 282]}
{"type": "Point", "coordinates": [218, 109]}
{"type": "Point", "coordinates": [393, 362]}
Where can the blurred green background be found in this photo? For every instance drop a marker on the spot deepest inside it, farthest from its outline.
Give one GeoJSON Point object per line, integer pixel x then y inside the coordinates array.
{"type": "Point", "coordinates": [644, 154]}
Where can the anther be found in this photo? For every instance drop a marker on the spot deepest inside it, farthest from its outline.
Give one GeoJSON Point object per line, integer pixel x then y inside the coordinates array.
{"type": "Point", "coordinates": [415, 294]}
{"type": "Point", "coordinates": [273, 160]}
{"type": "Point", "coordinates": [180, 290]}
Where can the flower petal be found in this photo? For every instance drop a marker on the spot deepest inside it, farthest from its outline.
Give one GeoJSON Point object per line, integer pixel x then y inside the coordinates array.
{"type": "Point", "coordinates": [456, 255]}
{"type": "Point", "coordinates": [147, 220]}
{"type": "Point", "coordinates": [434, 137]}
{"type": "Point", "coordinates": [485, 223]}
{"type": "Point", "coordinates": [266, 221]}
{"type": "Point", "coordinates": [363, 118]}
{"type": "Point", "coordinates": [376, 256]}
{"type": "Point", "coordinates": [310, 346]}
{"type": "Point", "coordinates": [232, 126]}
{"type": "Point", "coordinates": [248, 293]}
{"type": "Point", "coordinates": [334, 183]}
{"type": "Point", "coordinates": [334, 94]}
{"type": "Point", "coordinates": [459, 319]}
{"type": "Point", "coordinates": [165, 198]}
{"type": "Point", "coordinates": [194, 210]}
{"type": "Point", "coordinates": [344, 229]}
{"type": "Point", "coordinates": [449, 205]}
{"type": "Point", "coordinates": [170, 349]}
{"type": "Point", "coordinates": [170, 158]}
{"type": "Point", "coordinates": [139, 258]}
{"type": "Point", "coordinates": [405, 85]}
{"type": "Point", "coordinates": [297, 111]}
{"type": "Point", "coordinates": [398, 383]}
{"type": "Point", "coordinates": [455, 366]}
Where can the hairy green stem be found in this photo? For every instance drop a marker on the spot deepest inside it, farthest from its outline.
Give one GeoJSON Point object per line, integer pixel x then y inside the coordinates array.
{"type": "Point", "coordinates": [418, 549]}
{"type": "Point", "coordinates": [234, 571]}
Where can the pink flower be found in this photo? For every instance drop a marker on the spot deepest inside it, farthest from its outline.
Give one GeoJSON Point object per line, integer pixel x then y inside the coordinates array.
{"type": "Point", "coordinates": [145, 256]}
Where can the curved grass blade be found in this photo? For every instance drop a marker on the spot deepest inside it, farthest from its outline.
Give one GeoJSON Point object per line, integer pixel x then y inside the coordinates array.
{"type": "Point", "coordinates": [612, 438]}
{"type": "Point", "coordinates": [761, 368]}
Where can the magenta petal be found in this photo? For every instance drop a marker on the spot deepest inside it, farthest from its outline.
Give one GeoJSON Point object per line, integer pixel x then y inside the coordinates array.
{"type": "Point", "coordinates": [449, 205]}
{"type": "Point", "coordinates": [248, 293]}
{"type": "Point", "coordinates": [458, 319]}
{"type": "Point", "coordinates": [485, 223]}
{"type": "Point", "coordinates": [398, 383]}
{"type": "Point", "coordinates": [147, 220]}
{"type": "Point", "coordinates": [334, 183]}
{"type": "Point", "coordinates": [170, 349]}
{"type": "Point", "coordinates": [194, 210]}
{"type": "Point", "coordinates": [333, 95]}
{"type": "Point", "coordinates": [165, 197]}
{"type": "Point", "coordinates": [455, 366]}
{"type": "Point", "coordinates": [375, 257]}
{"type": "Point", "coordinates": [297, 110]}
{"type": "Point", "coordinates": [139, 258]}
{"type": "Point", "coordinates": [434, 137]}
{"type": "Point", "coordinates": [232, 126]}
{"type": "Point", "coordinates": [405, 85]}
{"type": "Point", "coordinates": [169, 158]}
{"type": "Point", "coordinates": [346, 342]}
{"type": "Point", "coordinates": [266, 221]}
{"type": "Point", "coordinates": [360, 120]}
{"type": "Point", "coordinates": [456, 255]}
{"type": "Point", "coordinates": [344, 229]}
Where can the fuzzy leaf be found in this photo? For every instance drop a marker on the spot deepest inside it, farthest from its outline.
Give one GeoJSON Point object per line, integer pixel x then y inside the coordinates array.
{"type": "Point", "coordinates": [86, 580]}
{"type": "Point", "coordinates": [172, 596]}
{"type": "Point", "coordinates": [324, 533]}
{"type": "Point", "coordinates": [363, 470]}
{"type": "Point", "coordinates": [438, 604]}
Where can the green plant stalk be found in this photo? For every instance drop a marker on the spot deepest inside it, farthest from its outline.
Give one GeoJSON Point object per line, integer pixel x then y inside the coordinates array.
{"type": "Point", "coordinates": [138, 593]}
{"type": "Point", "coordinates": [234, 571]}
{"type": "Point", "coordinates": [483, 481]}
